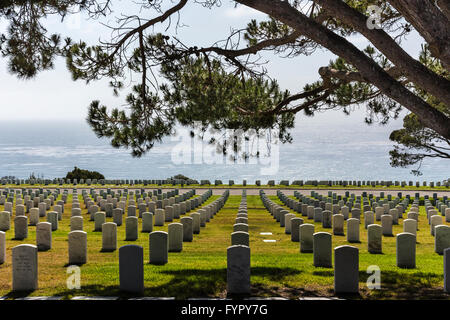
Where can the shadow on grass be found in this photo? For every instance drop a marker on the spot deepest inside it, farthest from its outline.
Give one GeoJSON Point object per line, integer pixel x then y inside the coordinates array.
{"type": "Point", "coordinates": [183, 284]}
{"type": "Point", "coordinates": [397, 285]}
{"type": "Point", "coordinates": [192, 283]}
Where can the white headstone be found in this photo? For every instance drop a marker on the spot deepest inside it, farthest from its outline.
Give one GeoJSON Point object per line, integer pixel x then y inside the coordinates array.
{"type": "Point", "coordinates": [44, 236]}
{"type": "Point", "coordinates": [24, 268]}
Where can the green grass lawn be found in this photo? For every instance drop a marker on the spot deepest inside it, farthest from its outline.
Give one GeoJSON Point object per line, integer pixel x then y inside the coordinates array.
{"type": "Point", "coordinates": [278, 269]}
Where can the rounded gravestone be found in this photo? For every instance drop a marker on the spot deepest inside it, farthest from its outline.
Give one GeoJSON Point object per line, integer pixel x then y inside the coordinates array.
{"type": "Point", "coordinates": [369, 218]}
{"type": "Point", "coordinates": [386, 224]}
{"type": "Point", "coordinates": [20, 227]}
{"type": "Point", "coordinates": [131, 228]}
{"type": "Point", "coordinates": [99, 219]}
{"type": "Point", "coordinates": [147, 222]}
{"type": "Point", "coordinates": [109, 209]}
{"type": "Point", "coordinates": [131, 268]}
{"type": "Point", "coordinates": [44, 236]}
{"type": "Point", "coordinates": [20, 210]}
{"type": "Point", "coordinates": [175, 231]}
{"type": "Point", "coordinates": [241, 220]}
{"type": "Point", "coordinates": [76, 212]}
{"type": "Point", "coordinates": [353, 230]}
{"type": "Point", "coordinates": [295, 229]}
{"type": "Point", "coordinates": [159, 217]}
{"type": "Point", "coordinates": [310, 212]}
{"type": "Point", "coordinates": [24, 268]}
{"type": "Point", "coordinates": [410, 226]}
{"type": "Point", "coordinates": [306, 232]}
{"type": "Point", "coordinates": [238, 270]}
{"type": "Point", "coordinates": [346, 269]}
{"type": "Point", "coordinates": [379, 211]}
{"type": "Point", "coordinates": [442, 238]}
{"type": "Point", "coordinates": [58, 209]}
{"type": "Point", "coordinates": [195, 222]}
{"type": "Point", "coordinates": [77, 247]}
{"type": "Point", "coordinates": [287, 223]}
{"type": "Point", "coordinates": [394, 213]}
{"type": "Point", "coordinates": [131, 211]}
{"type": "Point", "coordinates": [326, 219]}
{"type": "Point", "coordinates": [374, 235]}
{"type": "Point", "coordinates": [406, 250]}
{"type": "Point", "coordinates": [168, 213]}
{"type": "Point", "coordinates": [52, 217]}
{"type": "Point", "coordinates": [158, 247]}
{"type": "Point", "coordinates": [109, 237]}
{"type": "Point", "coordinates": [435, 220]}
{"type": "Point", "coordinates": [118, 216]}
{"type": "Point", "coordinates": [93, 210]}
{"type": "Point", "coordinates": [240, 238]}
{"type": "Point", "coordinates": [240, 227]}
{"type": "Point", "coordinates": [202, 213]}
{"type": "Point", "coordinates": [176, 211]}
{"type": "Point", "coordinates": [322, 250]}
{"type": "Point", "coordinates": [338, 224]}
{"type": "Point", "coordinates": [187, 228]}
{"type": "Point", "coordinates": [282, 215]}
{"type": "Point", "coordinates": [5, 221]}
{"type": "Point", "coordinates": [356, 213]}
{"type": "Point", "coordinates": [318, 215]}
{"type": "Point", "coordinates": [76, 223]}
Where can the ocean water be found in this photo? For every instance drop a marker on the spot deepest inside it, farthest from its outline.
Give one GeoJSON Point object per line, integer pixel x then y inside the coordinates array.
{"type": "Point", "coordinates": [324, 147]}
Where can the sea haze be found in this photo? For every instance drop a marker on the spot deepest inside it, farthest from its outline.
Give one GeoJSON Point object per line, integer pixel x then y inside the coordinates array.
{"type": "Point", "coordinates": [323, 147]}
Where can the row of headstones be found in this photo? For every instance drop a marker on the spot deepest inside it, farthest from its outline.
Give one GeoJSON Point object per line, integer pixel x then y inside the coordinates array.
{"type": "Point", "coordinates": [346, 263]}
{"type": "Point", "coordinates": [406, 241]}
{"type": "Point", "coordinates": [59, 181]}
{"type": "Point", "coordinates": [111, 205]}
{"type": "Point", "coordinates": [360, 183]}
{"type": "Point", "coordinates": [145, 182]}
{"type": "Point", "coordinates": [8, 195]}
{"type": "Point", "coordinates": [327, 203]}
{"type": "Point", "coordinates": [41, 201]}
{"type": "Point", "coordinates": [114, 197]}
{"type": "Point", "coordinates": [438, 229]}
{"type": "Point", "coordinates": [238, 254]}
{"type": "Point", "coordinates": [118, 199]}
{"type": "Point", "coordinates": [44, 229]}
{"type": "Point", "coordinates": [25, 256]}
{"type": "Point", "coordinates": [388, 218]}
{"type": "Point", "coordinates": [369, 199]}
{"type": "Point", "coordinates": [131, 261]}
{"type": "Point", "coordinates": [148, 214]}
{"type": "Point", "coordinates": [240, 235]}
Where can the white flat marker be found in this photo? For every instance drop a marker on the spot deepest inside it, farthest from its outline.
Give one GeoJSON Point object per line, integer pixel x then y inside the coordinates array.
{"type": "Point", "coordinates": [266, 240]}
{"type": "Point", "coordinates": [266, 233]}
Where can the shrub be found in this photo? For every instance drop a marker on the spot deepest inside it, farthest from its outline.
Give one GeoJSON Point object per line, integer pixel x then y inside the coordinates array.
{"type": "Point", "coordinates": [79, 174]}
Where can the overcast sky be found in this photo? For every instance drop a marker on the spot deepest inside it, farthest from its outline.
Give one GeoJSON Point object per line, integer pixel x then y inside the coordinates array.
{"type": "Point", "coordinates": [52, 95]}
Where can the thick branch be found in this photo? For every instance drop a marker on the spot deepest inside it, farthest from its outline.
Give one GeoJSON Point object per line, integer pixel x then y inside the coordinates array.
{"type": "Point", "coordinates": [413, 69]}
{"type": "Point", "coordinates": [430, 22]}
{"type": "Point", "coordinates": [444, 5]}
{"type": "Point", "coordinates": [353, 76]}
{"type": "Point", "coordinates": [370, 70]}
